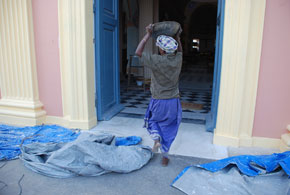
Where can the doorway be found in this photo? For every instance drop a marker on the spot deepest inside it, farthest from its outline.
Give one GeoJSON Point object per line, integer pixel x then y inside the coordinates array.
{"type": "Point", "coordinates": [199, 76]}
{"type": "Point", "coordinates": [198, 21]}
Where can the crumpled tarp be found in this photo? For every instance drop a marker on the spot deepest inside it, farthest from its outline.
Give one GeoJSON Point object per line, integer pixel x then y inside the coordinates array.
{"type": "Point", "coordinates": [246, 174]}
{"type": "Point", "coordinates": [11, 137]}
{"type": "Point", "coordinates": [89, 155]}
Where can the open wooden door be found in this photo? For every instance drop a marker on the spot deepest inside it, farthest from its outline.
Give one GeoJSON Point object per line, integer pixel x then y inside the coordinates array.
{"type": "Point", "coordinates": [107, 59]}
{"type": "Point", "coordinates": [212, 116]}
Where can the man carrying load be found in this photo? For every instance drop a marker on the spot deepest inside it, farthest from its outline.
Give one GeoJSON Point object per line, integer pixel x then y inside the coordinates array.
{"type": "Point", "coordinates": [164, 113]}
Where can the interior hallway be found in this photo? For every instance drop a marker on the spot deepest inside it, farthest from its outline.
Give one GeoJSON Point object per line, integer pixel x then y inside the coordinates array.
{"type": "Point", "coordinates": [195, 87]}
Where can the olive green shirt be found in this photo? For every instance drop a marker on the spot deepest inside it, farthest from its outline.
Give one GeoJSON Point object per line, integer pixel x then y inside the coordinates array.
{"type": "Point", "coordinates": [165, 74]}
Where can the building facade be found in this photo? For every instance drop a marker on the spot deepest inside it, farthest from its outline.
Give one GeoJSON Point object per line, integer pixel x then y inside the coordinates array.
{"type": "Point", "coordinates": [48, 66]}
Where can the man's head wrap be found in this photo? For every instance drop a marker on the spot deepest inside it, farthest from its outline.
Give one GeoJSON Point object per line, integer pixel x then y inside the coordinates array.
{"type": "Point", "coordinates": [166, 43]}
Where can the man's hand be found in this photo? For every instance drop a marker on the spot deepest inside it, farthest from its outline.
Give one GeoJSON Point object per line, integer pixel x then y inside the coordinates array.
{"type": "Point", "coordinates": [149, 29]}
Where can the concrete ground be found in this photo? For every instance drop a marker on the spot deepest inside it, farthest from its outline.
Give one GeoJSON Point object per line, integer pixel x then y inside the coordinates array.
{"type": "Point", "coordinates": [192, 139]}
{"type": "Point", "coordinates": [153, 179]}
{"type": "Point", "coordinates": [193, 145]}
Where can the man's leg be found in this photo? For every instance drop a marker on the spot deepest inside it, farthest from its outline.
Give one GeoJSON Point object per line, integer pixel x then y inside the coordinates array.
{"type": "Point", "coordinates": [156, 146]}
{"type": "Point", "coordinates": [165, 159]}
{"type": "Point", "coordinates": [154, 132]}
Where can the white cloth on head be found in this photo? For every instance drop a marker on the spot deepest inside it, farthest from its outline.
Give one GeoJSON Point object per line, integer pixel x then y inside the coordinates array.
{"type": "Point", "coordinates": [166, 43]}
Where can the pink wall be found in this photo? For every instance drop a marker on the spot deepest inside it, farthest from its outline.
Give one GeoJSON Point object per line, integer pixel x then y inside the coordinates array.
{"type": "Point", "coordinates": [273, 100]}
{"type": "Point", "coordinates": [45, 19]}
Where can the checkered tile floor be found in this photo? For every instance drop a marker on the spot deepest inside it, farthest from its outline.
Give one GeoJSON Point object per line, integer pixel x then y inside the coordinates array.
{"type": "Point", "coordinates": [136, 100]}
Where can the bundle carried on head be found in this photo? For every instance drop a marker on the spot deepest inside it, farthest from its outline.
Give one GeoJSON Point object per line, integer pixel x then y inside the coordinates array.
{"type": "Point", "coordinates": [168, 28]}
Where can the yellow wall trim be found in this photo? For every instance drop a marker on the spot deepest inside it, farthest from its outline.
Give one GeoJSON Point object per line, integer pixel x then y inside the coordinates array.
{"type": "Point", "coordinates": [242, 44]}
{"type": "Point", "coordinates": [20, 120]}
{"type": "Point", "coordinates": [17, 119]}
{"type": "Point", "coordinates": [19, 104]}
{"type": "Point", "coordinates": [226, 141]}
{"type": "Point", "coordinates": [262, 142]}
{"type": "Point", "coordinates": [265, 142]}
{"type": "Point", "coordinates": [65, 122]}
{"type": "Point", "coordinates": [76, 27]}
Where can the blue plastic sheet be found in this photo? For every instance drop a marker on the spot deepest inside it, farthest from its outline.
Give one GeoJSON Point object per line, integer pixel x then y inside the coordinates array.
{"type": "Point", "coordinates": [246, 174]}
{"type": "Point", "coordinates": [253, 165]}
{"type": "Point", "coordinates": [11, 138]}
{"type": "Point", "coordinates": [127, 141]}
{"type": "Point", "coordinates": [249, 165]}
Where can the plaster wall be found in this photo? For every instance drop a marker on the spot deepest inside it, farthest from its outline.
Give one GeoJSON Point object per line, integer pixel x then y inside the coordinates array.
{"type": "Point", "coordinates": [45, 19]}
{"type": "Point", "coordinates": [272, 113]}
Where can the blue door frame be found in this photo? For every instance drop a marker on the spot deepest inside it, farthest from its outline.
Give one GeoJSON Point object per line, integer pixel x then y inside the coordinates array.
{"type": "Point", "coordinates": [107, 61]}
{"type": "Point", "coordinates": [107, 58]}
{"type": "Point", "coordinates": [212, 116]}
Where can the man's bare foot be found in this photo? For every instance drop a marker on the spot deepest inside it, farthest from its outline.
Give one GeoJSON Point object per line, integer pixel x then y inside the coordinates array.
{"type": "Point", "coordinates": [156, 146]}
{"type": "Point", "coordinates": [165, 161]}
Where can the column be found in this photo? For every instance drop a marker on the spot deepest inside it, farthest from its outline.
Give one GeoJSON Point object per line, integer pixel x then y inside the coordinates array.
{"type": "Point", "coordinates": [76, 25]}
{"type": "Point", "coordinates": [243, 32]}
{"type": "Point", "coordinates": [20, 103]}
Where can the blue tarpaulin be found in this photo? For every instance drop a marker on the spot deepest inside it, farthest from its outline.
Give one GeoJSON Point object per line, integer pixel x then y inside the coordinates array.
{"type": "Point", "coordinates": [127, 141]}
{"type": "Point", "coordinates": [253, 165]}
{"type": "Point", "coordinates": [246, 174]}
{"type": "Point", "coordinates": [11, 138]}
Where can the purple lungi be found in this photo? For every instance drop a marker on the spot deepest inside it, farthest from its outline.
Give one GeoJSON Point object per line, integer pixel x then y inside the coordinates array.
{"type": "Point", "coordinates": [162, 119]}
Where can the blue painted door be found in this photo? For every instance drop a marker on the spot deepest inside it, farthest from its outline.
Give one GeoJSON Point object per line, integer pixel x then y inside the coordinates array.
{"type": "Point", "coordinates": [107, 58]}
{"type": "Point", "coordinates": [212, 116]}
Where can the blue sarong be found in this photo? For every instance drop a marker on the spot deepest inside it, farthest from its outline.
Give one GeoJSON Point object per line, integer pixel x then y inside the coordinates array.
{"type": "Point", "coordinates": [162, 119]}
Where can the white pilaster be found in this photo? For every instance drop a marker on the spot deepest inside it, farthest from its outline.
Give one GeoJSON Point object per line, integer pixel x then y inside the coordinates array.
{"type": "Point", "coordinates": [76, 26]}
{"type": "Point", "coordinates": [20, 103]}
{"type": "Point", "coordinates": [243, 32]}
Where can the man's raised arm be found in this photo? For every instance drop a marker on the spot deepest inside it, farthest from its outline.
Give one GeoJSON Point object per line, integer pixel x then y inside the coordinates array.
{"type": "Point", "coordinates": [143, 42]}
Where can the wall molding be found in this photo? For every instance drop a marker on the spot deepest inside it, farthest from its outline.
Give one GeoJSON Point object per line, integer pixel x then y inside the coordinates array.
{"type": "Point", "coordinates": [76, 27]}
{"type": "Point", "coordinates": [262, 142]}
{"type": "Point", "coordinates": [19, 102]}
{"type": "Point", "coordinates": [242, 45]}
{"type": "Point", "coordinates": [66, 122]}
